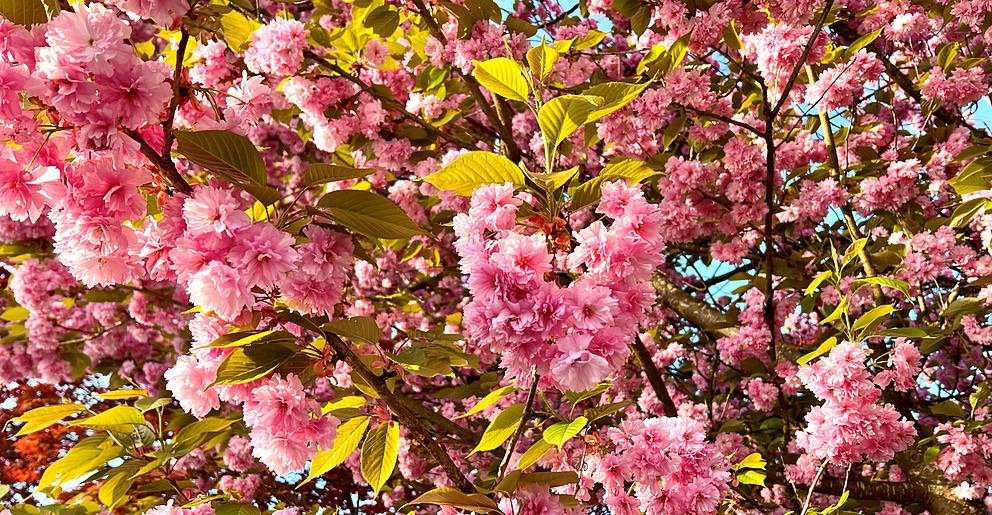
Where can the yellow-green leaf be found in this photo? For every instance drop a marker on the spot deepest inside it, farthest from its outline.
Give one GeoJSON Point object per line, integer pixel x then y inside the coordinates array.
{"type": "Point", "coordinates": [500, 428]}
{"type": "Point", "coordinates": [251, 362]}
{"type": "Point", "coordinates": [824, 348]}
{"type": "Point", "coordinates": [379, 453]}
{"type": "Point", "coordinates": [356, 328]}
{"type": "Point", "coordinates": [751, 461]}
{"type": "Point", "coordinates": [817, 281]}
{"type": "Point", "coordinates": [321, 173]}
{"type": "Point", "coordinates": [533, 454]}
{"type": "Point", "coordinates": [871, 317]}
{"type": "Point", "coordinates": [490, 399]}
{"type": "Point", "coordinates": [45, 416]}
{"type": "Point", "coordinates": [476, 503]}
{"type": "Point", "coordinates": [237, 29]}
{"type": "Point", "coordinates": [369, 214]}
{"type": "Point", "coordinates": [349, 434]}
{"type": "Point", "coordinates": [615, 95]}
{"type": "Point", "coordinates": [81, 460]}
{"type": "Point", "coordinates": [752, 477]}
{"type": "Point", "coordinates": [502, 76]}
{"type": "Point", "coordinates": [837, 312]}
{"type": "Point", "coordinates": [542, 59]}
{"type": "Point", "coordinates": [562, 116]}
{"type": "Point", "coordinates": [560, 433]}
{"type": "Point", "coordinates": [115, 487]}
{"type": "Point", "coordinates": [15, 314]}
{"type": "Point", "coordinates": [121, 419]}
{"type": "Point", "coordinates": [473, 169]}
{"type": "Point", "coordinates": [124, 394]}
{"type": "Point", "coordinates": [29, 12]}
{"type": "Point", "coordinates": [630, 170]}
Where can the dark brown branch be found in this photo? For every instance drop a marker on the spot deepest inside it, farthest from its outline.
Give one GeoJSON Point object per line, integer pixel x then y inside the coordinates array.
{"type": "Point", "coordinates": [167, 125]}
{"type": "Point", "coordinates": [699, 313]}
{"type": "Point", "coordinates": [654, 377]}
{"type": "Point", "coordinates": [407, 417]}
{"type": "Point", "coordinates": [164, 164]}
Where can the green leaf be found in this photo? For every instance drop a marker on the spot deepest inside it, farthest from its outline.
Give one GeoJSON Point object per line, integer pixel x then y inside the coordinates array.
{"type": "Point", "coordinates": [322, 173]}
{"type": "Point", "coordinates": [15, 314]}
{"type": "Point", "coordinates": [476, 503]}
{"type": "Point", "coordinates": [751, 461]}
{"type": "Point", "coordinates": [225, 153]}
{"type": "Point", "coordinates": [615, 95]}
{"type": "Point", "coordinates": [473, 169]}
{"type": "Point", "coordinates": [542, 59]}
{"type": "Point", "coordinates": [369, 214]}
{"type": "Point", "coordinates": [251, 362]}
{"type": "Point", "coordinates": [551, 182]}
{"type": "Point", "coordinates": [862, 42]}
{"type": "Point", "coordinates": [817, 281]}
{"type": "Point", "coordinates": [349, 434]}
{"type": "Point", "coordinates": [631, 170]}
{"type": "Point", "coordinates": [121, 419]}
{"type": "Point", "coordinates": [237, 29]}
{"type": "Point", "coordinates": [500, 428]}
{"type": "Point", "coordinates": [242, 338]}
{"type": "Point", "coordinates": [591, 39]}
{"type": "Point", "coordinates": [947, 408]}
{"type": "Point", "coordinates": [965, 212]}
{"type": "Point", "coordinates": [752, 477]}
{"type": "Point", "coordinates": [232, 157]}
{"type": "Point", "coordinates": [383, 21]}
{"type": "Point", "coordinates": [872, 317]}
{"type": "Point", "coordinates": [840, 503]}
{"type": "Point", "coordinates": [195, 434]}
{"type": "Point", "coordinates": [234, 508]}
{"type": "Point", "coordinates": [562, 116]}
{"type": "Point", "coordinates": [45, 416]}
{"type": "Point", "coordinates": [502, 76]}
{"type": "Point", "coordinates": [518, 478]}
{"type": "Point", "coordinates": [115, 487]}
{"type": "Point", "coordinates": [356, 328]}
{"type": "Point", "coordinates": [560, 433]}
{"type": "Point", "coordinates": [732, 37]}
{"type": "Point", "coordinates": [491, 398]}
{"type": "Point", "coordinates": [963, 306]}
{"type": "Point", "coordinates": [824, 348]}
{"type": "Point", "coordinates": [379, 453]}
{"type": "Point", "coordinates": [346, 402]}
{"type": "Point", "coordinates": [29, 12]}
{"type": "Point", "coordinates": [853, 250]}
{"type": "Point", "coordinates": [533, 454]}
{"type": "Point", "coordinates": [837, 312]}
{"type": "Point", "coordinates": [902, 286]}
{"type": "Point", "coordinates": [80, 461]}
{"type": "Point", "coordinates": [128, 393]}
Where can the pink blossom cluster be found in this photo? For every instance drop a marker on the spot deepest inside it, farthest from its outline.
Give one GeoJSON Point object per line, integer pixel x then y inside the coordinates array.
{"type": "Point", "coordinates": [890, 191]}
{"type": "Point", "coordinates": [844, 83]}
{"type": "Point", "coordinates": [960, 87]}
{"type": "Point", "coordinates": [777, 49]}
{"type": "Point", "coordinates": [578, 334]}
{"type": "Point", "coordinates": [286, 424]}
{"type": "Point", "coordinates": [277, 48]}
{"type": "Point", "coordinates": [671, 465]}
{"type": "Point", "coordinates": [851, 425]}
{"type": "Point", "coordinates": [85, 69]}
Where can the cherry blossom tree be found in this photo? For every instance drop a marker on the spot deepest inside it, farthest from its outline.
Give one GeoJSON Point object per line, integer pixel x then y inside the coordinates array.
{"type": "Point", "coordinates": [606, 256]}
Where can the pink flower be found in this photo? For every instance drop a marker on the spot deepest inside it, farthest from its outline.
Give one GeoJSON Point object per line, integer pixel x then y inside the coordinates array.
{"type": "Point", "coordinates": [264, 253]}
{"type": "Point", "coordinates": [277, 47]}
{"type": "Point", "coordinates": [189, 382]}
{"type": "Point", "coordinates": [135, 94]}
{"type": "Point", "coordinates": [575, 367]}
{"type": "Point", "coordinates": [23, 194]}
{"type": "Point", "coordinates": [214, 210]}
{"type": "Point", "coordinates": [248, 99]}
{"type": "Point", "coordinates": [524, 257]}
{"type": "Point", "coordinates": [221, 289]}
{"type": "Point", "coordinates": [495, 205]}
{"type": "Point", "coordinates": [591, 306]}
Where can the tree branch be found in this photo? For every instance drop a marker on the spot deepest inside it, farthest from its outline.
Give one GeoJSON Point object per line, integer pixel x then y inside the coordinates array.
{"type": "Point", "coordinates": [654, 377]}
{"type": "Point", "coordinates": [404, 414]}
